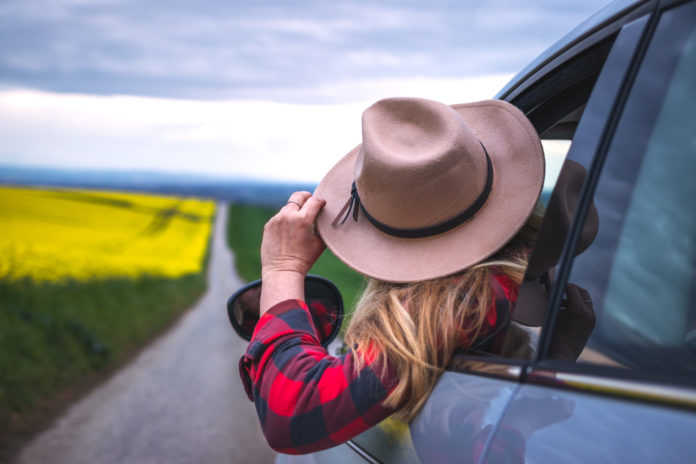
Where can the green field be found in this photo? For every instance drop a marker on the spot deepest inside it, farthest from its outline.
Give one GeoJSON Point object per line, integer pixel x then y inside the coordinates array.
{"type": "Point", "coordinates": [69, 314]}
{"type": "Point", "coordinates": [244, 232]}
{"type": "Point", "coordinates": [53, 334]}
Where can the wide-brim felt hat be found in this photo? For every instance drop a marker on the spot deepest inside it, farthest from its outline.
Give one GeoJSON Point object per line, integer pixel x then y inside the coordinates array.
{"type": "Point", "coordinates": [432, 189]}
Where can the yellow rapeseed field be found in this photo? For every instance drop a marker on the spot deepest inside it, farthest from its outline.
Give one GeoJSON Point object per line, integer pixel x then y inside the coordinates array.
{"type": "Point", "coordinates": [54, 234]}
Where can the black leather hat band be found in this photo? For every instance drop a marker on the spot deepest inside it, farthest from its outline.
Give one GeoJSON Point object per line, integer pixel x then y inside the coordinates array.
{"type": "Point", "coordinates": [354, 205]}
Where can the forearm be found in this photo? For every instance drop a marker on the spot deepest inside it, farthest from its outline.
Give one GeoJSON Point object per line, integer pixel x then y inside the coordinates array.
{"type": "Point", "coordinates": [279, 286]}
{"type": "Point", "coordinates": [289, 249]}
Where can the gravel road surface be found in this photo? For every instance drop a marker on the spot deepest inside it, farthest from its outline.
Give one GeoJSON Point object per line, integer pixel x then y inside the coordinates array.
{"type": "Point", "coordinates": [179, 401]}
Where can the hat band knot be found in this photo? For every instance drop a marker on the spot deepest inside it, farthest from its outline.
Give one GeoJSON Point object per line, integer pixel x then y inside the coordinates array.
{"type": "Point", "coordinates": [353, 204]}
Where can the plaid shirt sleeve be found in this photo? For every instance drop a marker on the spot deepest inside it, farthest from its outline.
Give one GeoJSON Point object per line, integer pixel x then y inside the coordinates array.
{"type": "Point", "coordinates": [306, 399]}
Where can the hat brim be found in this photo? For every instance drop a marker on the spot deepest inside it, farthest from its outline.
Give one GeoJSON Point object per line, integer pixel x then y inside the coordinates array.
{"type": "Point", "coordinates": [518, 167]}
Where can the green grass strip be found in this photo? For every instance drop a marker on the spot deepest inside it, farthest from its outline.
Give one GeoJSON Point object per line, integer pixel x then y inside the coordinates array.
{"type": "Point", "coordinates": [53, 336]}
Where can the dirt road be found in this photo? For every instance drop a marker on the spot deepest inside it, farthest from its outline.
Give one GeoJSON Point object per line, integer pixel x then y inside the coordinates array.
{"type": "Point", "coordinates": [179, 401]}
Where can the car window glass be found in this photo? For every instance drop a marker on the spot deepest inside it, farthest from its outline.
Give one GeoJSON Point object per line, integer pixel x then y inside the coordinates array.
{"type": "Point", "coordinates": [555, 106]}
{"type": "Point", "coordinates": [640, 270]}
{"type": "Point", "coordinates": [389, 441]}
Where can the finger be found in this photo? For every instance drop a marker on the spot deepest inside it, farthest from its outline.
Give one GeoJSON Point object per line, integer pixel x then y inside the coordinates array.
{"type": "Point", "coordinates": [298, 199]}
{"type": "Point", "coordinates": [295, 203]}
{"type": "Point", "coordinates": [580, 294]}
{"type": "Point", "coordinates": [573, 291]}
{"type": "Point", "coordinates": [312, 207]}
{"type": "Point", "coordinates": [585, 295]}
{"type": "Point", "coordinates": [580, 302]}
{"type": "Point", "coordinates": [575, 299]}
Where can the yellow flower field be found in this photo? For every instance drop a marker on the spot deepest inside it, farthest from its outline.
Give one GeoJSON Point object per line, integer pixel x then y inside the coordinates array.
{"type": "Point", "coordinates": [54, 234]}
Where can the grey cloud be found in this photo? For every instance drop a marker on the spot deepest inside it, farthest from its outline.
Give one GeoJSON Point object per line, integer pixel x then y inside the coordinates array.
{"type": "Point", "coordinates": [224, 49]}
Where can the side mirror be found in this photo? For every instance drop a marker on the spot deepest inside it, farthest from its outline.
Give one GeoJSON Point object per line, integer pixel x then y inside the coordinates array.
{"type": "Point", "coordinates": [321, 295]}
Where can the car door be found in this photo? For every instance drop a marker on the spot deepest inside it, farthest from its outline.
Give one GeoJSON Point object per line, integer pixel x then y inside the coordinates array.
{"type": "Point", "coordinates": [631, 395]}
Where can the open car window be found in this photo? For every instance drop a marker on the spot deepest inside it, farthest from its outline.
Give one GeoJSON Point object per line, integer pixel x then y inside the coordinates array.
{"type": "Point", "coordinates": [555, 106]}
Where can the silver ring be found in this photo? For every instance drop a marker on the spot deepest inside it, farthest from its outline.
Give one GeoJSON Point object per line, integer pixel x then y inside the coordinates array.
{"type": "Point", "coordinates": [293, 201]}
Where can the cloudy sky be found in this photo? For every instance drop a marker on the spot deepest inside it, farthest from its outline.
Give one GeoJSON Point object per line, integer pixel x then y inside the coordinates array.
{"type": "Point", "coordinates": [261, 89]}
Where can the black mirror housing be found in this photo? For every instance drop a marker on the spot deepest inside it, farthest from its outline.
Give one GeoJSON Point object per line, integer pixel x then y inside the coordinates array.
{"type": "Point", "coordinates": [321, 295]}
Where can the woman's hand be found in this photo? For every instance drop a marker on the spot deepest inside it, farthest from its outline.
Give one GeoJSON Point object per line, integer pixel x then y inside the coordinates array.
{"type": "Point", "coordinates": [289, 249]}
{"type": "Point", "coordinates": [574, 325]}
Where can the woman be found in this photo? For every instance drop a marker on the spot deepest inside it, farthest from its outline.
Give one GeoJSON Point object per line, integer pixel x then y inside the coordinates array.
{"type": "Point", "coordinates": [433, 208]}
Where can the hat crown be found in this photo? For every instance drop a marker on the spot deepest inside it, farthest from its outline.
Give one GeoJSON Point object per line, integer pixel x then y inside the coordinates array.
{"type": "Point", "coordinates": [420, 163]}
{"type": "Point", "coordinates": [428, 193]}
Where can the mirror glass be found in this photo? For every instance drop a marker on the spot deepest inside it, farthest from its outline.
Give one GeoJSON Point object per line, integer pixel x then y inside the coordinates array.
{"type": "Point", "coordinates": [322, 297]}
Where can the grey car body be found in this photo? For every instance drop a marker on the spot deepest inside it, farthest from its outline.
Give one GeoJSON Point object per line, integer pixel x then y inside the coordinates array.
{"type": "Point", "coordinates": [622, 88]}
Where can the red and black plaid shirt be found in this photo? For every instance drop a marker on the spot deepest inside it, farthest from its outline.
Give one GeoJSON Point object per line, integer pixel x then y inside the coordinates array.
{"type": "Point", "coordinates": [308, 400]}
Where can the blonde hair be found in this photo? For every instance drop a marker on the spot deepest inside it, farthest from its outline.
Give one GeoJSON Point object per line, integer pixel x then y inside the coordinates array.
{"type": "Point", "coordinates": [415, 328]}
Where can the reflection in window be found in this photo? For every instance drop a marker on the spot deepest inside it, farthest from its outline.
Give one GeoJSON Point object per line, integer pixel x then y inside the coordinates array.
{"type": "Point", "coordinates": [654, 264]}
{"type": "Point", "coordinates": [641, 270]}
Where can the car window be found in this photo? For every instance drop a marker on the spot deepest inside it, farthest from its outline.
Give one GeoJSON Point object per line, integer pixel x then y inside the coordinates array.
{"type": "Point", "coordinates": [555, 106]}
{"type": "Point", "coordinates": [640, 270]}
{"type": "Point", "coordinates": [388, 441]}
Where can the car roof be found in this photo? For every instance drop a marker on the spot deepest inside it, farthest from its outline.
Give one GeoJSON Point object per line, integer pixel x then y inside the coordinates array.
{"type": "Point", "coordinates": [598, 21]}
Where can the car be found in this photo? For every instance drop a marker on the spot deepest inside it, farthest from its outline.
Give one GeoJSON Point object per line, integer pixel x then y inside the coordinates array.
{"type": "Point", "coordinates": [616, 96]}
